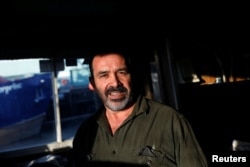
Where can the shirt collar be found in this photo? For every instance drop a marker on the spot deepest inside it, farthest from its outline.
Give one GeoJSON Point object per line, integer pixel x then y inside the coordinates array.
{"type": "Point", "coordinates": [141, 106]}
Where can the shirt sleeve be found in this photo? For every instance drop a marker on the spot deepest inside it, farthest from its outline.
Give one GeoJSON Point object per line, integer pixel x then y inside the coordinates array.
{"type": "Point", "coordinates": [188, 151]}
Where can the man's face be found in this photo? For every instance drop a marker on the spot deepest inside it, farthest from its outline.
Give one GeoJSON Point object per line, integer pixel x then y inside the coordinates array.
{"type": "Point", "coordinates": [112, 81]}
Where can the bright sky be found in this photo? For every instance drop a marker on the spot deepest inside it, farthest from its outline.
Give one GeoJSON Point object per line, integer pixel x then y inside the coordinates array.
{"type": "Point", "coordinates": [28, 66]}
{"type": "Point", "coordinates": [19, 67]}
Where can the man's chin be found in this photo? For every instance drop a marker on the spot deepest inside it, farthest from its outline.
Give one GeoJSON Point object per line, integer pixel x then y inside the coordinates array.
{"type": "Point", "coordinates": [117, 104]}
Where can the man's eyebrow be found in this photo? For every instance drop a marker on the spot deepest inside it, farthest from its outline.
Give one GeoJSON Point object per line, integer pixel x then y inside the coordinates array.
{"type": "Point", "coordinates": [102, 72]}
{"type": "Point", "coordinates": [107, 71]}
{"type": "Point", "coordinates": [123, 69]}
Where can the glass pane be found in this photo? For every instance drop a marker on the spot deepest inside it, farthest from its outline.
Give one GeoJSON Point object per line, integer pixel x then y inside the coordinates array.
{"type": "Point", "coordinates": [25, 99]}
{"type": "Point", "coordinates": [76, 101]}
{"type": "Point", "coordinates": [27, 116]}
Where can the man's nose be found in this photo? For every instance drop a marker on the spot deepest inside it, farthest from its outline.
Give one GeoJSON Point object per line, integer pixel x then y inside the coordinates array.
{"type": "Point", "coordinates": [115, 81]}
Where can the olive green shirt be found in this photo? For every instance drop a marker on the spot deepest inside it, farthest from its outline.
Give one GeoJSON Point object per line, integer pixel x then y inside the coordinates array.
{"type": "Point", "coordinates": [153, 135]}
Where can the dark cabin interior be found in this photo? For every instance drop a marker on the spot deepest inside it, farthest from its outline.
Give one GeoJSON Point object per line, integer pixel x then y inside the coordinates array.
{"type": "Point", "coordinates": [217, 112]}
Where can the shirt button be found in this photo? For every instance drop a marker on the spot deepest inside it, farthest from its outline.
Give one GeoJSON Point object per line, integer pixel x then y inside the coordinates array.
{"type": "Point", "coordinates": [90, 156]}
{"type": "Point", "coordinates": [149, 162]}
{"type": "Point", "coordinates": [113, 152]}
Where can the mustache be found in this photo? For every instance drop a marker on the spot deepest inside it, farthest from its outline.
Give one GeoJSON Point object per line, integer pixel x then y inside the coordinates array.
{"type": "Point", "coordinates": [111, 89]}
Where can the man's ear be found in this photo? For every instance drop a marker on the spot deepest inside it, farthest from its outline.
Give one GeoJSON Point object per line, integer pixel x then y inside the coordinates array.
{"type": "Point", "coordinates": [91, 84]}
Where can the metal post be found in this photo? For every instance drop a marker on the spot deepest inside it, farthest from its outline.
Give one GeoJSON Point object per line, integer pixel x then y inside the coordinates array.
{"type": "Point", "coordinates": [169, 75]}
{"type": "Point", "coordinates": [56, 104]}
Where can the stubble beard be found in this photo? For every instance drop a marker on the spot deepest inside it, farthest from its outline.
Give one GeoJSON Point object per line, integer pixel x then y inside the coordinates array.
{"type": "Point", "coordinates": [116, 105]}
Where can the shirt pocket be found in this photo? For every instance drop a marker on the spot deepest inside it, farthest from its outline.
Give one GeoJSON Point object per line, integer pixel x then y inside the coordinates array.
{"type": "Point", "coordinates": [153, 157]}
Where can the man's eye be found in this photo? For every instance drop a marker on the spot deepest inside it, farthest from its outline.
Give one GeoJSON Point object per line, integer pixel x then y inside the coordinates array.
{"type": "Point", "coordinates": [123, 72]}
{"type": "Point", "coordinates": [103, 75]}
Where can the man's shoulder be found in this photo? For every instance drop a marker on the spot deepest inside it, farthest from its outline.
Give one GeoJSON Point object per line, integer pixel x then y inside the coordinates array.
{"type": "Point", "coordinates": [162, 108]}
{"type": "Point", "coordinates": [159, 105]}
{"type": "Point", "coordinates": [89, 121]}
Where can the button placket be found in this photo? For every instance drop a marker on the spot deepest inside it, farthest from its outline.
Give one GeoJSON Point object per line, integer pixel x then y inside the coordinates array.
{"type": "Point", "coordinates": [115, 140]}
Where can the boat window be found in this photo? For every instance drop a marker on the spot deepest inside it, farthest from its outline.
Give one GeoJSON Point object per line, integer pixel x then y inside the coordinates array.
{"type": "Point", "coordinates": [40, 108]}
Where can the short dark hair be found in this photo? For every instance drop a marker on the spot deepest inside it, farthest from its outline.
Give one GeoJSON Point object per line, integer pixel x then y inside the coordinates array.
{"type": "Point", "coordinates": [105, 51]}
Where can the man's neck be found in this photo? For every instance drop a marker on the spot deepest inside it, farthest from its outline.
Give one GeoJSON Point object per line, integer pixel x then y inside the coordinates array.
{"type": "Point", "coordinates": [116, 118]}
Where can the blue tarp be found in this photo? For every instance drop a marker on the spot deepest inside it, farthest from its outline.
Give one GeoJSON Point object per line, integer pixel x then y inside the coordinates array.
{"type": "Point", "coordinates": [25, 98]}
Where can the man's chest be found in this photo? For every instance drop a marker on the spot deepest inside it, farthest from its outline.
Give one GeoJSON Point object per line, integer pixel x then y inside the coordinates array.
{"type": "Point", "coordinates": [135, 146]}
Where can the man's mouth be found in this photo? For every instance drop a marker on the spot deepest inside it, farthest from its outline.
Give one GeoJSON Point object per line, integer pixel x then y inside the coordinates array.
{"type": "Point", "coordinates": [116, 92]}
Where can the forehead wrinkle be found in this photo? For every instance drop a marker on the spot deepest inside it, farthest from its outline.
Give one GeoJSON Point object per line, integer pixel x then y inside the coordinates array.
{"type": "Point", "coordinates": [109, 63]}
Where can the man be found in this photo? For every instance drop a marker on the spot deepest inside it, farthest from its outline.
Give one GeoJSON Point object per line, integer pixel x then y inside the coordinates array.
{"type": "Point", "coordinates": [131, 130]}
